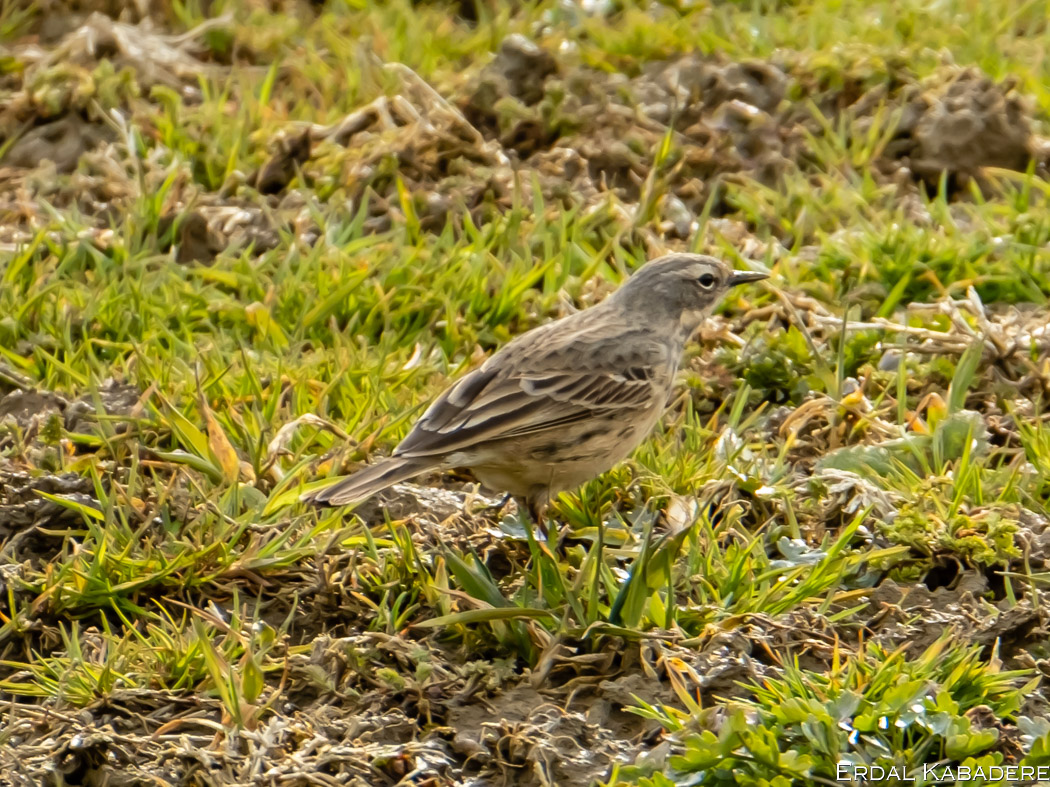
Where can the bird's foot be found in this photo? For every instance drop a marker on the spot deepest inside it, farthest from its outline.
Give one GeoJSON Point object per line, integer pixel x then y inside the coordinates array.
{"type": "Point", "coordinates": [492, 508]}
{"type": "Point", "coordinates": [531, 520]}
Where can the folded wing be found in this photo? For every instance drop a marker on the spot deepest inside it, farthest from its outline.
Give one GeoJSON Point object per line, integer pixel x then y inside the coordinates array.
{"type": "Point", "coordinates": [542, 388]}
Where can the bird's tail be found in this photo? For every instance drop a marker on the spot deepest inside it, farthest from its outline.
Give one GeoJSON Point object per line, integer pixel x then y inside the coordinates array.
{"type": "Point", "coordinates": [365, 483]}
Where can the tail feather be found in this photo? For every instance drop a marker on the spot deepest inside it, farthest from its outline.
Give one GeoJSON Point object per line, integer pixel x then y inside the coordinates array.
{"type": "Point", "coordinates": [366, 482]}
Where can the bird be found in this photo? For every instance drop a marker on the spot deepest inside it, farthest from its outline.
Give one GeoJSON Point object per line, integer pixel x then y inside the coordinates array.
{"type": "Point", "coordinates": [565, 401]}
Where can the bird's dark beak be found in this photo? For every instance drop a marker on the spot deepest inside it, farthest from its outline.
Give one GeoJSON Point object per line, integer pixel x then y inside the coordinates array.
{"type": "Point", "coordinates": [743, 277]}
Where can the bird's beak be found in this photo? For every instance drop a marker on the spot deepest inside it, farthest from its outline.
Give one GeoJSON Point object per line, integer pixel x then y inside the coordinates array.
{"type": "Point", "coordinates": [743, 277]}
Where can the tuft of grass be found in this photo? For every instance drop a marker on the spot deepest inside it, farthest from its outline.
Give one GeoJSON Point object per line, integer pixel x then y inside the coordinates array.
{"type": "Point", "coordinates": [876, 708]}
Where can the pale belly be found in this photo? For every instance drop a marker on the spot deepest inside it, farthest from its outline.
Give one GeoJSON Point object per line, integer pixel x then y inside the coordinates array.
{"type": "Point", "coordinates": [540, 466]}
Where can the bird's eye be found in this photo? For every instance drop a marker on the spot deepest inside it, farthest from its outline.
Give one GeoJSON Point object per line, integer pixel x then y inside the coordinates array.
{"type": "Point", "coordinates": [707, 281]}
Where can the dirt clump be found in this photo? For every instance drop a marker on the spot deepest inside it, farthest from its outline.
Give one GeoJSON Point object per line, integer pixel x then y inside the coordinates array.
{"type": "Point", "coordinates": [655, 145]}
{"type": "Point", "coordinates": [957, 122]}
{"type": "Point", "coordinates": [28, 408]}
{"type": "Point", "coordinates": [970, 123]}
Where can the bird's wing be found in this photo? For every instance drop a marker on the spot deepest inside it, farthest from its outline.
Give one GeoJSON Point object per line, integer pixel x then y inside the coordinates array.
{"type": "Point", "coordinates": [545, 383]}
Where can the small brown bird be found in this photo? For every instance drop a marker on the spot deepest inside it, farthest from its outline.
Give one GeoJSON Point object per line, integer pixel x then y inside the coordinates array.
{"type": "Point", "coordinates": [566, 401]}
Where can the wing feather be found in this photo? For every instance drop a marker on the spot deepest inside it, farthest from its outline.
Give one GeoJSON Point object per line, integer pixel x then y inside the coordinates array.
{"type": "Point", "coordinates": [546, 383]}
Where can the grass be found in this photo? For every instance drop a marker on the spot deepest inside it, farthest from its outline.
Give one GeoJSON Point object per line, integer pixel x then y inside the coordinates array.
{"type": "Point", "coordinates": [796, 471]}
{"type": "Point", "coordinates": [868, 708]}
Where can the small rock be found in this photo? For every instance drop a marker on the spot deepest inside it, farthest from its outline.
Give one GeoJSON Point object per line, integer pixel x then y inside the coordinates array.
{"type": "Point", "coordinates": [525, 67]}
{"type": "Point", "coordinates": [890, 361]}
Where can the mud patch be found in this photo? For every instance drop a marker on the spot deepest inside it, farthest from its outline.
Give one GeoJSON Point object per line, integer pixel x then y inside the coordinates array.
{"type": "Point", "coordinates": [30, 409]}
{"type": "Point", "coordinates": [530, 118]}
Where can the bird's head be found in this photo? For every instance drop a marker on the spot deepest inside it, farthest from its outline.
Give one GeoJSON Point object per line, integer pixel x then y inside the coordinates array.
{"type": "Point", "coordinates": [683, 288]}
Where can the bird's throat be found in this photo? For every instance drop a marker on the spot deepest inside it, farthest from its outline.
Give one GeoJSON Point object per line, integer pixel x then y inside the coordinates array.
{"type": "Point", "coordinates": [688, 323]}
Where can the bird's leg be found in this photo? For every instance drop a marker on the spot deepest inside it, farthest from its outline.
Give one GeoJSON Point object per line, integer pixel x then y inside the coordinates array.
{"type": "Point", "coordinates": [532, 510]}
{"type": "Point", "coordinates": [538, 512]}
